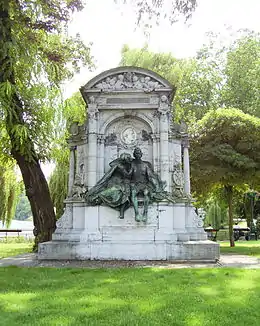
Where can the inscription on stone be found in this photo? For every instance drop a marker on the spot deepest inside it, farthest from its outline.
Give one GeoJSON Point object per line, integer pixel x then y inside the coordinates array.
{"type": "Point", "coordinates": [119, 100]}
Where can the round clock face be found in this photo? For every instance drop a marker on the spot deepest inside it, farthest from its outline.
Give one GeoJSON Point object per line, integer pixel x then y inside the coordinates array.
{"type": "Point", "coordinates": [129, 136]}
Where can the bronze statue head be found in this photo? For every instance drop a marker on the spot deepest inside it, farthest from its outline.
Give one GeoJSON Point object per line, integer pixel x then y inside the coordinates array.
{"type": "Point", "coordinates": [137, 153]}
{"type": "Point", "coordinates": [126, 157]}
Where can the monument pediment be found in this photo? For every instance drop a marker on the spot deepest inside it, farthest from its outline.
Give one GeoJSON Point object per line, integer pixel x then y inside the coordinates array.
{"type": "Point", "coordinates": [127, 79]}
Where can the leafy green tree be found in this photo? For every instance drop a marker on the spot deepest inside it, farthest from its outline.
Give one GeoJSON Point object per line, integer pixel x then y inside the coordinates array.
{"type": "Point", "coordinates": [197, 82]}
{"type": "Point", "coordinates": [225, 149]}
{"type": "Point", "coordinates": [242, 74]}
{"type": "Point", "coordinates": [214, 215]}
{"type": "Point", "coordinates": [162, 63]}
{"type": "Point", "coordinates": [36, 55]}
{"type": "Point", "coordinates": [10, 189]}
{"type": "Point", "coordinates": [220, 75]}
{"type": "Point", "coordinates": [74, 111]}
{"type": "Point", "coordinates": [250, 200]}
{"type": "Point", "coordinates": [23, 209]}
{"type": "Point", "coordinates": [58, 183]}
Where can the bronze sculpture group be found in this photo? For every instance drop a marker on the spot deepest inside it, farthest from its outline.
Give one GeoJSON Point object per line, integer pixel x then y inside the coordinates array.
{"type": "Point", "coordinates": [129, 181]}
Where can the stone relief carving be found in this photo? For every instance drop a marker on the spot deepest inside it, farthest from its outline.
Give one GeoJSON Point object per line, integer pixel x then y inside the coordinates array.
{"type": "Point", "coordinates": [129, 136]}
{"type": "Point", "coordinates": [201, 214]}
{"type": "Point", "coordinates": [92, 108]}
{"type": "Point", "coordinates": [65, 221]}
{"type": "Point", "coordinates": [173, 157]}
{"type": "Point", "coordinates": [154, 100]}
{"type": "Point", "coordinates": [77, 132]}
{"type": "Point", "coordinates": [164, 106]}
{"type": "Point", "coordinates": [101, 100]}
{"type": "Point", "coordinates": [79, 189]}
{"type": "Point", "coordinates": [111, 139]}
{"type": "Point", "coordinates": [127, 133]}
{"type": "Point", "coordinates": [128, 80]}
{"type": "Point", "coordinates": [178, 182]}
{"type": "Point", "coordinates": [197, 219]}
{"type": "Point", "coordinates": [146, 136]}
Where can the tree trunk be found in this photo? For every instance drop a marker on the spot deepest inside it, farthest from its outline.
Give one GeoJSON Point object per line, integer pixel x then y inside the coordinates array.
{"type": "Point", "coordinates": [229, 194]}
{"type": "Point", "coordinates": [35, 183]}
{"type": "Point", "coordinates": [38, 194]}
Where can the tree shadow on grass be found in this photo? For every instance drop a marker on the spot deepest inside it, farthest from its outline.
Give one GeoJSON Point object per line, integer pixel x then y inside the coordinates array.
{"type": "Point", "coordinates": [150, 296]}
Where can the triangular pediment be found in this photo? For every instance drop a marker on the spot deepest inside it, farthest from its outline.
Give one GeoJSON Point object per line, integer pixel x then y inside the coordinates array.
{"type": "Point", "coordinates": [127, 78]}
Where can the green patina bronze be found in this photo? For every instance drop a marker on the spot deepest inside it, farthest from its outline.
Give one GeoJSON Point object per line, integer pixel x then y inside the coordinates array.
{"type": "Point", "coordinates": [129, 181]}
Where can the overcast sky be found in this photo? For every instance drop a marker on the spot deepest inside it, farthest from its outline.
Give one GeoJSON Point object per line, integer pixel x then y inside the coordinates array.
{"type": "Point", "coordinates": [109, 26]}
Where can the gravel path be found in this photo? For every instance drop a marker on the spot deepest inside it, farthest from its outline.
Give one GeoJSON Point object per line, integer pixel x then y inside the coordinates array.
{"type": "Point", "coordinates": [228, 260]}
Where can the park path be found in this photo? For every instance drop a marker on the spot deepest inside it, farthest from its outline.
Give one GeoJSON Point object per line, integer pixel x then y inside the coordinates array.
{"type": "Point", "coordinates": [227, 260]}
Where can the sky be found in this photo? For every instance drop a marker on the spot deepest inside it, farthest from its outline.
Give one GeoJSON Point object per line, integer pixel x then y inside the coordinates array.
{"type": "Point", "coordinates": [108, 26]}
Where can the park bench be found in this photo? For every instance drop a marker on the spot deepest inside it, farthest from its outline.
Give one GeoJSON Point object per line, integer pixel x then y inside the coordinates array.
{"type": "Point", "coordinates": [6, 231]}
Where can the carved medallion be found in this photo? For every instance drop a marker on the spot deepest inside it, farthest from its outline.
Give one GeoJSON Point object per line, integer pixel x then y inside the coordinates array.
{"type": "Point", "coordinates": [129, 136]}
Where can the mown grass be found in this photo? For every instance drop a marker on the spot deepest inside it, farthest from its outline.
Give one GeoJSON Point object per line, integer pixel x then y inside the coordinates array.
{"type": "Point", "coordinates": [251, 248]}
{"type": "Point", "coordinates": [148, 296]}
{"type": "Point", "coordinates": [8, 249]}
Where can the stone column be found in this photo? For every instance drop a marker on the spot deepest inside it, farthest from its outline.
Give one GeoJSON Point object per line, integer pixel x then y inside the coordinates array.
{"type": "Point", "coordinates": [186, 166]}
{"type": "Point", "coordinates": [72, 168]}
{"type": "Point", "coordinates": [164, 109]}
{"type": "Point", "coordinates": [101, 156]}
{"type": "Point", "coordinates": [155, 138]}
{"type": "Point", "coordinates": [92, 142]}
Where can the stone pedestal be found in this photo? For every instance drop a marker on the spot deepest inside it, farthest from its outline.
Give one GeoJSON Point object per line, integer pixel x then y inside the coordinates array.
{"type": "Point", "coordinates": [171, 232]}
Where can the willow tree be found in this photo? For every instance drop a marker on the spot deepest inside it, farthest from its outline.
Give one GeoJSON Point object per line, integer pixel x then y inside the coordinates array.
{"type": "Point", "coordinates": [58, 183]}
{"type": "Point", "coordinates": [214, 214]}
{"type": "Point", "coordinates": [10, 189]}
{"type": "Point", "coordinates": [225, 149]}
{"type": "Point", "coordinates": [35, 57]}
{"type": "Point", "coordinates": [74, 111]}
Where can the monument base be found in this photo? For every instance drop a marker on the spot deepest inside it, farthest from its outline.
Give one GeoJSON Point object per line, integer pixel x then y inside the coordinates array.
{"type": "Point", "coordinates": [171, 232]}
{"type": "Point", "coordinates": [206, 250]}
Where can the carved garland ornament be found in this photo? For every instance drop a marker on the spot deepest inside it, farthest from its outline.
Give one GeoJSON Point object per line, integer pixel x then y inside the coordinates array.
{"type": "Point", "coordinates": [128, 80]}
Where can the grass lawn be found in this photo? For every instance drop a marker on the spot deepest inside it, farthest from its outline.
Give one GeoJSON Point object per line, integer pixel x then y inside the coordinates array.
{"type": "Point", "coordinates": [148, 296]}
{"type": "Point", "coordinates": [8, 249]}
{"type": "Point", "coordinates": [242, 248]}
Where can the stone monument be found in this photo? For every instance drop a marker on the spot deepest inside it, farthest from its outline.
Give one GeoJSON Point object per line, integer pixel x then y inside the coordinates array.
{"type": "Point", "coordinates": [129, 178]}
